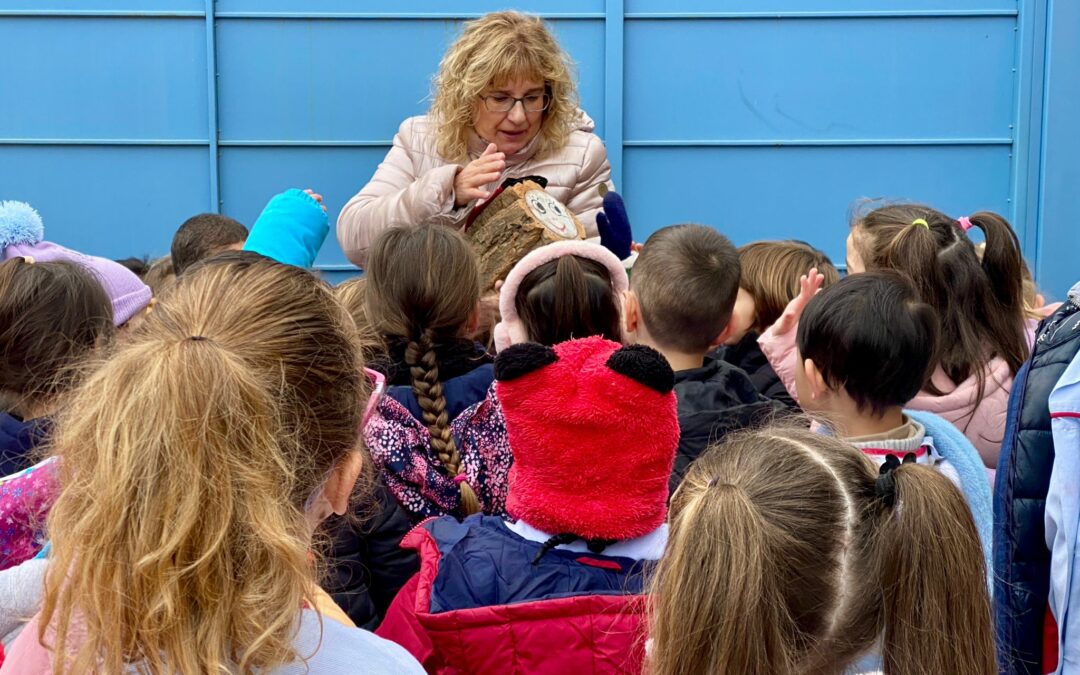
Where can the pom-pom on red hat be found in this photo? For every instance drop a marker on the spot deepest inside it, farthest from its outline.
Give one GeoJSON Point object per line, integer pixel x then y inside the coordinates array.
{"type": "Point", "coordinates": [593, 428]}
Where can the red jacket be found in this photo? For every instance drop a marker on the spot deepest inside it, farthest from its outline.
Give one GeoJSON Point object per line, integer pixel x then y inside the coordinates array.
{"type": "Point", "coordinates": [478, 606]}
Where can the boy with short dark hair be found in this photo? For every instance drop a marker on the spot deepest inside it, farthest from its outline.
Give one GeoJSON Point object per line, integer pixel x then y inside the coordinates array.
{"type": "Point", "coordinates": [205, 235]}
{"type": "Point", "coordinates": [682, 292]}
{"type": "Point", "coordinates": [865, 348]}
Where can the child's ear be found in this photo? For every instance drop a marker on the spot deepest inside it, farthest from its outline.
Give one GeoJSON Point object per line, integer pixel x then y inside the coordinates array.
{"type": "Point", "coordinates": [631, 312]}
{"type": "Point", "coordinates": [722, 338]}
{"type": "Point", "coordinates": [342, 480]}
{"type": "Point", "coordinates": [472, 326]}
{"type": "Point", "coordinates": [818, 386]}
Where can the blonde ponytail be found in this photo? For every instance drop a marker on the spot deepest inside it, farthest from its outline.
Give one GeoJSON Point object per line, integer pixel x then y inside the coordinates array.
{"type": "Point", "coordinates": [737, 640]}
{"type": "Point", "coordinates": [789, 554]}
{"type": "Point", "coordinates": [936, 611]}
{"type": "Point", "coordinates": [180, 540]}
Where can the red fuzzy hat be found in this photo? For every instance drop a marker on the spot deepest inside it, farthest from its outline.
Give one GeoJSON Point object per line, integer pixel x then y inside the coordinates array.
{"type": "Point", "coordinates": [593, 429]}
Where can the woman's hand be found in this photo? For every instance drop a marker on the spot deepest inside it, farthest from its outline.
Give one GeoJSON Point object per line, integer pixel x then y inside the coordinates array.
{"type": "Point", "coordinates": [809, 285]}
{"type": "Point", "coordinates": [468, 185]}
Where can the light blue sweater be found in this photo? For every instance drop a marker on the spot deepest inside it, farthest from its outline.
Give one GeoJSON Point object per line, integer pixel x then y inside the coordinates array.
{"type": "Point", "coordinates": [962, 455]}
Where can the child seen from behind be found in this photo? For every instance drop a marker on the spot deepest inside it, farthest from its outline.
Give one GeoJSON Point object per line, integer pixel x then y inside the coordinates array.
{"type": "Point", "coordinates": [680, 303]}
{"type": "Point", "coordinates": [791, 552]}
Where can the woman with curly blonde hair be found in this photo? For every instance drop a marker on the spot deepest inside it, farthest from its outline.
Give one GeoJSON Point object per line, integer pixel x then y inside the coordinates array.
{"type": "Point", "coordinates": [505, 105]}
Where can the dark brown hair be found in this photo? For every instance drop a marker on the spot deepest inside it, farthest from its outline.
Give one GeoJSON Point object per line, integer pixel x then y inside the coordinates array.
{"type": "Point", "coordinates": [686, 280]}
{"type": "Point", "coordinates": [568, 298]}
{"type": "Point", "coordinates": [789, 554]}
{"type": "Point", "coordinates": [202, 236]}
{"type": "Point", "coordinates": [52, 316]}
{"type": "Point", "coordinates": [771, 272]}
{"type": "Point", "coordinates": [870, 334]}
{"type": "Point", "coordinates": [423, 286]}
{"type": "Point", "coordinates": [980, 304]}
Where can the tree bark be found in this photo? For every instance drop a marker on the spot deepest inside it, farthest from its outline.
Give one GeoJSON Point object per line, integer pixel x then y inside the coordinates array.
{"type": "Point", "coordinates": [522, 218]}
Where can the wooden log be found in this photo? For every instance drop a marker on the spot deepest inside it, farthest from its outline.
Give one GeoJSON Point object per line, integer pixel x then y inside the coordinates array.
{"type": "Point", "coordinates": [519, 219]}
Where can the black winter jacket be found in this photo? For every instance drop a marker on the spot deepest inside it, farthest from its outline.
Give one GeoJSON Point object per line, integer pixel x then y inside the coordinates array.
{"type": "Point", "coordinates": [748, 356]}
{"type": "Point", "coordinates": [714, 400]}
{"type": "Point", "coordinates": [367, 566]}
{"type": "Point", "coordinates": [1021, 557]}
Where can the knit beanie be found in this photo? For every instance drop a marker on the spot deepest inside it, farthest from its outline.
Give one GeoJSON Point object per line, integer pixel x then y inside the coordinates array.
{"type": "Point", "coordinates": [510, 330]}
{"type": "Point", "coordinates": [291, 229]}
{"type": "Point", "coordinates": [593, 430]}
{"type": "Point", "coordinates": [22, 234]}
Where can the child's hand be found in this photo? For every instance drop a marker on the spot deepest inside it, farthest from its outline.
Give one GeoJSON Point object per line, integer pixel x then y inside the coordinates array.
{"type": "Point", "coordinates": [809, 285]}
{"type": "Point", "coordinates": [316, 197]}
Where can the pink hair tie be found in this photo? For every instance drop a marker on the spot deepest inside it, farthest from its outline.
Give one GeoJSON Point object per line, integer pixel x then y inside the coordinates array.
{"type": "Point", "coordinates": [460, 478]}
{"type": "Point", "coordinates": [964, 222]}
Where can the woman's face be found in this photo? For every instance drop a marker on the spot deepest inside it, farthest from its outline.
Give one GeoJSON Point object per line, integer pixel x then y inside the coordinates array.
{"type": "Point", "coordinates": [509, 131]}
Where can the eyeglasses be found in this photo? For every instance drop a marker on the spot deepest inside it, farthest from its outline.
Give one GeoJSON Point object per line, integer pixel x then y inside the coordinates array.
{"type": "Point", "coordinates": [378, 389]}
{"type": "Point", "coordinates": [501, 103]}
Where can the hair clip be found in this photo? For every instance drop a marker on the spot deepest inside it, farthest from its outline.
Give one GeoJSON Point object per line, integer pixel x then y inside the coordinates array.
{"type": "Point", "coordinates": [28, 259]}
{"type": "Point", "coordinates": [198, 338]}
{"type": "Point", "coordinates": [921, 223]}
{"type": "Point", "coordinates": [965, 223]}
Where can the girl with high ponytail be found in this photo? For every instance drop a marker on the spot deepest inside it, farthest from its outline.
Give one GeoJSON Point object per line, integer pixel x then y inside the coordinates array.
{"type": "Point", "coordinates": [790, 554]}
{"type": "Point", "coordinates": [985, 335]}
{"type": "Point", "coordinates": [195, 465]}
{"type": "Point", "coordinates": [422, 298]}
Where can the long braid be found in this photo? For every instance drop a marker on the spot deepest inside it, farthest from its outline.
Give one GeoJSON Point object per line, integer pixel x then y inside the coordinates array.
{"type": "Point", "coordinates": [424, 372]}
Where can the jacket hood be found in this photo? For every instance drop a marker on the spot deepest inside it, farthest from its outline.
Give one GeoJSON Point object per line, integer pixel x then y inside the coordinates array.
{"type": "Point", "coordinates": [960, 398]}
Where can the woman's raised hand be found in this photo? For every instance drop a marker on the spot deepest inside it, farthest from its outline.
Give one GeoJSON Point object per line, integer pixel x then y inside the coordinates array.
{"type": "Point", "coordinates": [470, 181]}
{"type": "Point", "coordinates": [809, 285]}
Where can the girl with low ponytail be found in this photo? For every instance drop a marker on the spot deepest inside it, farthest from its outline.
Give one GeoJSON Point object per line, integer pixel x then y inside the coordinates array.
{"type": "Point", "coordinates": [195, 465]}
{"type": "Point", "coordinates": [422, 297]}
{"type": "Point", "coordinates": [789, 553]}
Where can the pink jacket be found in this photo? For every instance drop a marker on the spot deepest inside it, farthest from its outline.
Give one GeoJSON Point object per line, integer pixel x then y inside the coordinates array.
{"type": "Point", "coordinates": [984, 425]}
{"type": "Point", "coordinates": [413, 184]}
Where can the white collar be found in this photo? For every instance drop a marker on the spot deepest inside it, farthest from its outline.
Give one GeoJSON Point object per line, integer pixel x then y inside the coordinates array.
{"type": "Point", "coordinates": [646, 547]}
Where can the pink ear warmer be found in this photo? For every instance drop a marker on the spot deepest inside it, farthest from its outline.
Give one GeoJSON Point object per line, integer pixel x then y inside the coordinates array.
{"type": "Point", "coordinates": [510, 330]}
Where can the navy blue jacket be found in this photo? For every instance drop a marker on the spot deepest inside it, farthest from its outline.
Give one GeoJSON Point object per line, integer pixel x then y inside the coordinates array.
{"type": "Point", "coordinates": [465, 371]}
{"type": "Point", "coordinates": [17, 442]}
{"type": "Point", "coordinates": [484, 564]}
{"type": "Point", "coordinates": [747, 356]}
{"type": "Point", "coordinates": [460, 392]}
{"type": "Point", "coordinates": [714, 400]}
{"type": "Point", "coordinates": [1021, 557]}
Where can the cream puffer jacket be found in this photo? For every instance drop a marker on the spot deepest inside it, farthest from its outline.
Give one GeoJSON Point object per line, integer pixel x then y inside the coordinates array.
{"type": "Point", "coordinates": [413, 184]}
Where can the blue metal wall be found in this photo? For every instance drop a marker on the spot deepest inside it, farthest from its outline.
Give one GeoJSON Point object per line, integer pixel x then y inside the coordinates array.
{"type": "Point", "coordinates": [764, 118]}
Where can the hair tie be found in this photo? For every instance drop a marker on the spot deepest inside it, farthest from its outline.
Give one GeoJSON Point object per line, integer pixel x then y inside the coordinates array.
{"type": "Point", "coordinates": [964, 223]}
{"type": "Point", "coordinates": [461, 478]}
{"type": "Point", "coordinates": [921, 223]}
{"type": "Point", "coordinates": [197, 338]}
{"type": "Point", "coordinates": [28, 259]}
